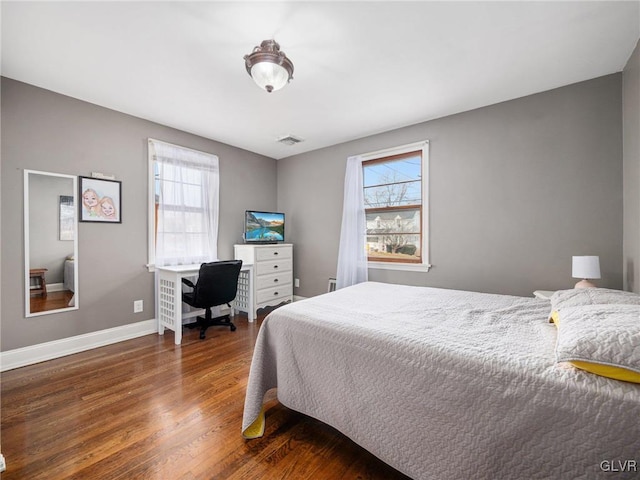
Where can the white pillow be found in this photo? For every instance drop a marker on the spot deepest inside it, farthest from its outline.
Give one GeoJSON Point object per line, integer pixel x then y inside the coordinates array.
{"type": "Point", "coordinates": [592, 296]}
{"type": "Point", "coordinates": [602, 339]}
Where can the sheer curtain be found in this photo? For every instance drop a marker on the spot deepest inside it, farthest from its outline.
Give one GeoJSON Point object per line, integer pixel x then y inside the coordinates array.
{"type": "Point", "coordinates": [352, 256]}
{"type": "Point", "coordinates": [186, 184]}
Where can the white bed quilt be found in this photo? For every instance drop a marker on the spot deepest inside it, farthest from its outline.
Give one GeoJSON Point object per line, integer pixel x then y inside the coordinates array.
{"type": "Point", "coordinates": [445, 384]}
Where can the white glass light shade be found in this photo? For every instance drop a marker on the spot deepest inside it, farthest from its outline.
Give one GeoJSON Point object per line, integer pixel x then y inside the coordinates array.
{"type": "Point", "coordinates": [586, 267]}
{"type": "Point", "coordinates": [269, 76]}
{"type": "Point", "coordinates": [268, 66]}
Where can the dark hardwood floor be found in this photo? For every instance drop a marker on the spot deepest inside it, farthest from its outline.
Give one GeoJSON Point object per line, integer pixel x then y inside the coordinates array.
{"type": "Point", "coordinates": [148, 409]}
{"type": "Point", "coordinates": [53, 301]}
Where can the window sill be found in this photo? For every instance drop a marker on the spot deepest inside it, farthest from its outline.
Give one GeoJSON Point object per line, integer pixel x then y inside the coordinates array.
{"type": "Point", "coordinates": [407, 267]}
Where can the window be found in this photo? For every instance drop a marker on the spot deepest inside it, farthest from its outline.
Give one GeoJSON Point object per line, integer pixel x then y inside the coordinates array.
{"type": "Point", "coordinates": [394, 183]}
{"type": "Point", "coordinates": [183, 205]}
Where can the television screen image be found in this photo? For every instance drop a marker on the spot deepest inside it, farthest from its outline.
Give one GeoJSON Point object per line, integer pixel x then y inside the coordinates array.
{"type": "Point", "coordinates": [263, 227]}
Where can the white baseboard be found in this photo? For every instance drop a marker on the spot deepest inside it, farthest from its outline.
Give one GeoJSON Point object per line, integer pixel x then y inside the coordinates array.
{"type": "Point", "coordinates": [55, 287]}
{"type": "Point", "coordinates": [21, 357]}
{"type": "Point", "coordinates": [297, 298]}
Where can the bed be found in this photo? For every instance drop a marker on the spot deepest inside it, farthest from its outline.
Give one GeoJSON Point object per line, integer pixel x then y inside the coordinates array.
{"type": "Point", "coordinates": [445, 384]}
{"type": "Point", "coordinates": [69, 274]}
{"type": "Point", "coordinates": [69, 278]}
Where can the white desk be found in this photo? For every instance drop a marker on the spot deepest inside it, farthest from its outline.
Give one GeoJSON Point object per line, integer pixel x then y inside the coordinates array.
{"type": "Point", "coordinates": [169, 296]}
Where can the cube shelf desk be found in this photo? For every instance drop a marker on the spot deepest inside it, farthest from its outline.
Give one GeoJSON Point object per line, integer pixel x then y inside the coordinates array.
{"type": "Point", "coordinates": [40, 287]}
{"type": "Point", "coordinates": [169, 296]}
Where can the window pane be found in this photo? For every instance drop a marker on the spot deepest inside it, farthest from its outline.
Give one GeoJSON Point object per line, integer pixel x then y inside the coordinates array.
{"type": "Point", "coordinates": [394, 235]}
{"type": "Point", "coordinates": [393, 171]}
{"type": "Point", "coordinates": [194, 222]}
{"type": "Point", "coordinates": [191, 175]}
{"type": "Point", "coordinates": [192, 196]}
{"type": "Point", "coordinates": [180, 245]}
{"type": "Point", "coordinates": [169, 192]}
{"type": "Point", "coordinates": [181, 221]}
{"type": "Point", "coordinates": [184, 194]}
{"type": "Point", "coordinates": [169, 222]}
{"type": "Point", "coordinates": [395, 194]}
{"type": "Point", "coordinates": [393, 183]}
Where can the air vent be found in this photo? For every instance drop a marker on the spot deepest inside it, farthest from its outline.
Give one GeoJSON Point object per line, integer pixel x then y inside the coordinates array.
{"type": "Point", "coordinates": [290, 140]}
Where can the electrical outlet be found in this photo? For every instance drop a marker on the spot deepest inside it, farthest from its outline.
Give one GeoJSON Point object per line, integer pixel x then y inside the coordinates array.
{"type": "Point", "coordinates": [138, 306]}
{"type": "Point", "coordinates": [296, 283]}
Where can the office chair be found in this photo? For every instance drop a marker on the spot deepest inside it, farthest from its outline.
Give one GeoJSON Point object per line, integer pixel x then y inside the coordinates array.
{"type": "Point", "coordinates": [217, 284]}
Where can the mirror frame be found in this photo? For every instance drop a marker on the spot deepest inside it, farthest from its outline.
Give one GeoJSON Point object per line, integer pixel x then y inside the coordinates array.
{"type": "Point", "coordinates": [27, 279]}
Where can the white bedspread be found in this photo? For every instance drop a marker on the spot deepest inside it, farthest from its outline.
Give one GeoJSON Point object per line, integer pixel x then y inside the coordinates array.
{"type": "Point", "coordinates": [444, 384]}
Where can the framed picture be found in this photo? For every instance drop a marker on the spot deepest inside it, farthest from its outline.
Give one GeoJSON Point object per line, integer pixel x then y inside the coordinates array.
{"type": "Point", "coordinates": [100, 200]}
{"type": "Point", "coordinates": [67, 213]}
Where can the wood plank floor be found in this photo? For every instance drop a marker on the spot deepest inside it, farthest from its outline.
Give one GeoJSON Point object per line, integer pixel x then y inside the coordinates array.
{"type": "Point", "coordinates": [148, 409]}
{"type": "Point", "coordinates": [53, 301]}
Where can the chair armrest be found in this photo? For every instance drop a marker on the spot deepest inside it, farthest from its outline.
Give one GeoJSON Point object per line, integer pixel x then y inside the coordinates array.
{"type": "Point", "coordinates": [188, 282]}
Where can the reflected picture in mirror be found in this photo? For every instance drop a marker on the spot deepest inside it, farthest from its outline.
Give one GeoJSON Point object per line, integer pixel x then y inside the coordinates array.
{"type": "Point", "coordinates": [67, 217]}
{"type": "Point", "coordinates": [51, 245]}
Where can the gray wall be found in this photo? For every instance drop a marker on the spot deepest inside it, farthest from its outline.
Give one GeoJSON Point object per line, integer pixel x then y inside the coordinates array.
{"type": "Point", "coordinates": [516, 189]}
{"type": "Point", "coordinates": [631, 154]}
{"type": "Point", "coordinates": [42, 130]}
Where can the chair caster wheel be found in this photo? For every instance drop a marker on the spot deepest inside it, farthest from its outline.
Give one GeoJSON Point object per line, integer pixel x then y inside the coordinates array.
{"type": "Point", "coordinates": [233, 328]}
{"type": "Point", "coordinates": [201, 335]}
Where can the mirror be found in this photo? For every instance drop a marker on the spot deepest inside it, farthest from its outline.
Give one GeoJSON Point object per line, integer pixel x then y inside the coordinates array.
{"type": "Point", "coordinates": [50, 242]}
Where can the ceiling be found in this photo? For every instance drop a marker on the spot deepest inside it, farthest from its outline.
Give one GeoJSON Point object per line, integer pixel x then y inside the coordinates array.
{"type": "Point", "coordinates": [360, 67]}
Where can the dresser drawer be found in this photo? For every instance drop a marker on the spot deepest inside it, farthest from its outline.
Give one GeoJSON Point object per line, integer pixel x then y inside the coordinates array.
{"type": "Point", "coordinates": [271, 283]}
{"type": "Point", "coordinates": [272, 280]}
{"type": "Point", "coordinates": [273, 253]}
{"type": "Point", "coordinates": [274, 266]}
{"type": "Point", "coordinates": [274, 295]}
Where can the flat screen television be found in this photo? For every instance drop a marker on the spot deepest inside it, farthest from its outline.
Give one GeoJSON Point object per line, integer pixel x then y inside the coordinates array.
{"type": "Point", "coordinates": [263, 227]}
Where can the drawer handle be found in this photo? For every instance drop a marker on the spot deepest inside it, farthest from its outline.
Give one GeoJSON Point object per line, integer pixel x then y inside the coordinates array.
{"type": "Point", "coordinates": [275, 280]}
{"type": "Point", "coordinates": [275, 253]}
{"type": "Point", "coordinates": [275, 266]}
{"type": "Point", "coordinates": [275, 294]}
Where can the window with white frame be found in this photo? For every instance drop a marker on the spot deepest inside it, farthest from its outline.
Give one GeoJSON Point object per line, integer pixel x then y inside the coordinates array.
{"type": "Point", "coordinates": [395, 200]}
{"type": "Point", "coordinates": [183, 205]}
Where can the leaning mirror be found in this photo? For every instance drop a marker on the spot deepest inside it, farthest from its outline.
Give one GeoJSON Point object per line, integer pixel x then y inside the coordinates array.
{"type": "Point", "coordinates": [50, 242]}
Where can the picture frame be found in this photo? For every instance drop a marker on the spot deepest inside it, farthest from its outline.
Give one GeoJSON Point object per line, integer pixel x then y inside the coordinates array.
{"type": "Point", "coordinates": [66, 217]}
{"type": "Point", "coordinates": [100, 200]}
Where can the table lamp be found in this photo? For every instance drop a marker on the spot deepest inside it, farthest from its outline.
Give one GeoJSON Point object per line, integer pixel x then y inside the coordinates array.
{"type": "Point", "coordinates": [586, 267]}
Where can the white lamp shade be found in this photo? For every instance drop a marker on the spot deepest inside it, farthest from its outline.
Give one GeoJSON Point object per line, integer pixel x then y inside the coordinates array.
{"type": "Point", "coordinates": [272, 74]}
{"type": "Point", "coordinates": [586, 267]}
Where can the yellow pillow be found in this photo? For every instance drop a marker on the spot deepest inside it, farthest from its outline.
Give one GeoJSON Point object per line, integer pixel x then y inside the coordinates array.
{"type": "Point", "coordinates": [617, 373]}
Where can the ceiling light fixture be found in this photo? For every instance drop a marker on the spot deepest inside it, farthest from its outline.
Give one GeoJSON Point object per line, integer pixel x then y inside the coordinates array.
{"type": "Point", "coordinates": [268, 66]}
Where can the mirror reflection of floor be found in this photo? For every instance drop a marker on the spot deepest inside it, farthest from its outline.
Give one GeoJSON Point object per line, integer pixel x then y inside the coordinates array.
{"type": "Point", "coordinates": [53, 301]}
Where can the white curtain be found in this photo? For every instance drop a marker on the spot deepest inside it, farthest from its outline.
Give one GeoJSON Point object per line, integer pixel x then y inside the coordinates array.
{"type": "Point", "coordinates": [186, 184]}
{"type": "Point", "coordinates": [352, 257]}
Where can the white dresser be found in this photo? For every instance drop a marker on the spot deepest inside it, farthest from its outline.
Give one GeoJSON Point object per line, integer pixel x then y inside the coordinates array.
{"type": "Point", "coordinates": [272, 273]}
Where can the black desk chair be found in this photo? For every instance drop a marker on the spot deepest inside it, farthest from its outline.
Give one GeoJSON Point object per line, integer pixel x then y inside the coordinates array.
{"type": "Point", "coordinates": [217, 284]}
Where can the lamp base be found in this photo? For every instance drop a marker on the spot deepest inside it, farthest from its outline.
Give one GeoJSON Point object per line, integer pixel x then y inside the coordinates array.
{"type": "Point", "coordinates": [584, 284]}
